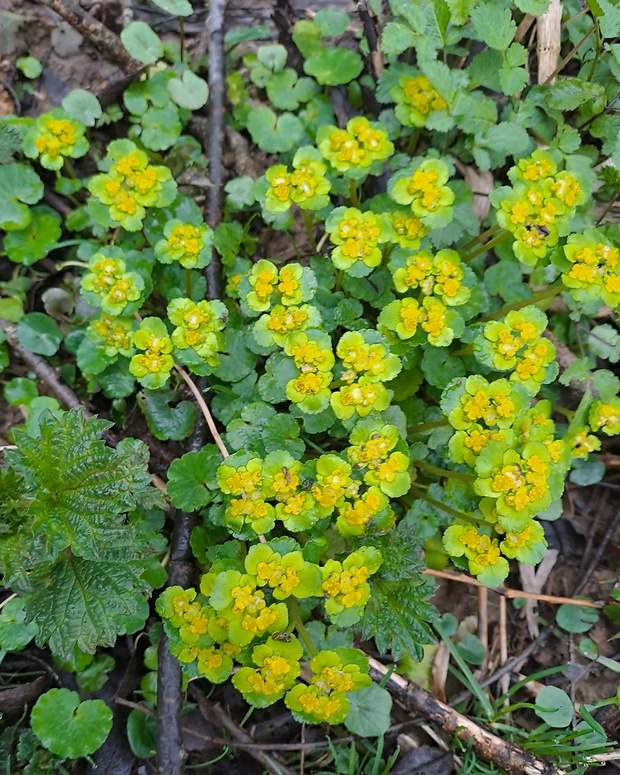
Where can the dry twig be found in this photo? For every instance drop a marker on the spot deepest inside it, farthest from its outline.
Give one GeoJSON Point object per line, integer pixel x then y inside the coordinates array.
{"type": "Point", "coordinates": [488, 746]}
{"type": "Point", "coordinates": [94, 31]}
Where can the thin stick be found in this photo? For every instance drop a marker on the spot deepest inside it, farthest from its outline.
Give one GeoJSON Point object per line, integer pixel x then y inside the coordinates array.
{"type": "Point", "coordinates": [215, 137]}
{"type": "Point", "coordinates": [488, 746]}
{"type": "Point", "coordinates": [215, 714]}
{"type": "Point", "coordinates": [315, 746]}
{"type": "Point", "coordinates": [461, 578]}
{"type": "Point", "coordinates": [204, 409]}
{"type": "Point", "coordinates": [504, 682]}
{"type": "Point", "coordinates": [483, 623]}
{"type": "Point", "coordinates": [94, 31]}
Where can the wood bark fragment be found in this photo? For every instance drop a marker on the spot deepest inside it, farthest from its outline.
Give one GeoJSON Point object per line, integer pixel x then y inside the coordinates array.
{"type": "Point", "coordinates": [548, 47]}
{"type": "Point", "coordinates": [488, 746]}
{"type": "Point", "coordinates": [94, 31]}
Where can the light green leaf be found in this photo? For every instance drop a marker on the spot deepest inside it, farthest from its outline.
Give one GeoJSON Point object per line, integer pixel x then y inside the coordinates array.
{"type": "Point", "coordinates": [604, 342]}
{"type": "Point", "coordinates": [331, 22]}
{"type": "Point", "coordinates": [494, 24]}
{"type": "Point", "coordinates": [533, 7]}
{"type": "Point", "coordinates": [189, 91]}
{"type": "Point", "coordinates": [29, 66]}
{"type": "Point", "coordinates": [188, 477]}
{"type": "Point", "coordinates": [273, 57]}
{"type": "Point", "coordinates": [20, 186]}
{"type": "Point", "coordinates": [39, 333]}
{"type": "Point", "coordinates": [370, 711]}
{"type": "Point", "coordinates": [574, 618]}
{"type": "Point", "coordinates": [82, 106]}
{"type": "Point", "coordinates": [68, 727]}
{"type": "Point", "coordinates": [606, 384]}
{"type": "Point", "coordinates": [609, 22]}
{"type": "Point", "coordinates": [334, 66]}
{"type": "Point", "coordinates": [396, 38]}
{"type": "Point", "coordinates": [554, 707]}
{"type": "Point", "coordinates": [275, 134]}
{"type": "Point", "coordinates": [33, 243]}
{"type": "Point", "coordinates": [142, 43]}
{"type": "Point", "coordinates": [175, 7]}
{"type": "Point", "coordinates": [460, 10]}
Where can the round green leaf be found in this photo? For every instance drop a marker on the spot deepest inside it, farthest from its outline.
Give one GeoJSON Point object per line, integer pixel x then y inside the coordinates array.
{"type": "Point", "coordinates": [39, 334]}
{"type": "Point", "coordinates": [189, 91]}
{"type": "Point", "coordinates": [142, 734]}
{"type": "Point", "coordinates": [15, 632]}
{"type": "Point", "coordinates": [470, 647]}
{"type": "Point", "coordinates": [11, 309]}
{"type": "Point", "coordinates": [142, 43]}
{"type": "Point", "coordinates": [29, 66]}
{"type": "Point", "coordinates": [20, 186]}
{"type": "Point", "coordinates": [272, 57]}
{"type": "Point", "coordinates": [331, 22]}
{"type": "Point", "coordinates": [574, 618]}
{"type": "Point", "coordinates": [554, 707]}
{"type": "Point", "coordinates": [275, 134]}
{"type": "Point", "coordinates": [370, 711]}
{"type": "Point", "coordinates": [68, 727]}
{"type": "Point", "coordinates": [20, 391]}
{"type": "Point", "coordinates": [334, 66]}
{"type": "Point", "coordinates": [82, 106]}
{"type": "Point", "coordinates": [167, 421]}
{"type": "Point", "coordinates": [35, 241]}
{"type": "Point", "coordinates": [175, 7]}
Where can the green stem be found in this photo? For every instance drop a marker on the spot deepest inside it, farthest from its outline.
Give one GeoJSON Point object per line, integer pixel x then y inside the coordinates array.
{"type": "Point", "coordinates": [443, 472]}
{"type": "Point", "coordinates": [462, 351]}
{"type": "Point", "coordinates": [309, 222]}
{"type": "Point", "coordinates": [188, 283]}
{"type": "Point", "coordinates": [304, 635]}
{"type": "Point", "coordinates": [427, 426]}
{"type": "Point", "coordinates": [539, 296]}
{"type": "Point", "coordinates": [443, 507]}
{"type": "Point", "coordinates": [413, 142]}
{"type": "Point", "coordinates": [353, 196]}
{"type": "Point", "coordinates": [291, 239]}
{"type": "Point", "coordinates": [481, 237]}
{"type": "Point", "coordinates": [388, 252]}
{"type": "Point", "coordinates": [568, 413]}
{"type": "Point", "coordinates": [70, 169]}
{"type": "Point", "coordinates": [182, 38]}
{"type": "Point", "coordinates": [72, 263]}
{"type": "Point", "coordinates": [485, 248]}
{"type": "Point", "coordinates": [597, 50]}
{"type": "Point", "coordinates": [312, 445]}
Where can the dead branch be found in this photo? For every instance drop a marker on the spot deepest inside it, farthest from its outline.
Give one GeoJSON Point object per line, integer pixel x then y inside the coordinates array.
{"type": "Point", "coordinates": [215, 137]}
{"type": "Point", "coordinates": [488, 746]}
{"type": "Point", "coordinates": [94, 31]}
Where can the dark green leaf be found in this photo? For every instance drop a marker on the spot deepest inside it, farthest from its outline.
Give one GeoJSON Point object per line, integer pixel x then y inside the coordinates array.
{"type": "Point", "coordinates": [165, 420]}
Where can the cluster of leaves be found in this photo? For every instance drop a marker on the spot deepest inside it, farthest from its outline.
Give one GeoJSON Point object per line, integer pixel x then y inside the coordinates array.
{"type": "Point", "coordinates": [393, 377]}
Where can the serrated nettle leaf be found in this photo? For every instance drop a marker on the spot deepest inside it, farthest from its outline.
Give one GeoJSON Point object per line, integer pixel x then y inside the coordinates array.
{"type": "Point", "coordinates": [494, 25]}
{"type": "Point", "coordinates": [609, 22]}
{"type": "Point", "coordinates": [604, 341]}
{"type": "Point", "coordinates": [533, 7]}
